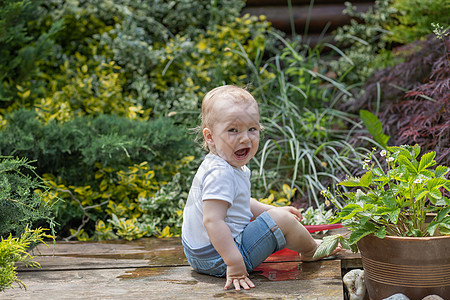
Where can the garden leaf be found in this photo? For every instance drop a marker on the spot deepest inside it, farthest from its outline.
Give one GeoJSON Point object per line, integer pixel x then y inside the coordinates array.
{"type": "Point", "coordinates": [327, 246]}
{"type": "Point", "coordinates": [405, 162]}
{"type": "Point", "coordinates": [393, 216]}
{"type": "Point", "coordinates": [354, 248]}
{"type": "Point", "coordinates": [432, 228]}
{"type": "Point", "coordinates": [344, 243]}
{"type": "Point", "coordinates": [366, 179]}
{"type": "Point", "coordinates": [416, 150]}
{"type": "Point", "coordinates": [381, 211]}
{"type": "Point", "coordinates": [381, 233]}
{"type": "Point", "coordinates": [447, 186]}
{"type": "Point", "coordinates": [349, 211]}
{"type": "Point", "coordinates": [440, 216]}
{"type": "Point", "coordinates": [421, 193]}
{"type": "Point", "coordinates": [444, 229]}
{"type": "Point", "coordinates": [399, 151]}
{"type": "Point", "coordinates": [374, 127]}
{"type": "Point", "coordinates": [427, 161]}
{"type": "Point", "coordinates": [389, 201]}
{"type": "Point", "coordinates": [364, 220]}
{"type": "Point", "coordinates": [436, 183]}
{"type": "Point", "coordinates": [441, 171]}
{"type": "Point", "coordinates": [115, 220]}
{"type": "Point", "coordinates": [444, 201]}
{"type": "Point", "coordinates": [436, 194]}
{"type": "Point", "coordinates": [378, 172]}
{"type": "Point", "coordinates": [444, 226]}
{"type": "Point", "coordinates": [358, 234]}
{"type": "Point", "coordinates": [427, 173]}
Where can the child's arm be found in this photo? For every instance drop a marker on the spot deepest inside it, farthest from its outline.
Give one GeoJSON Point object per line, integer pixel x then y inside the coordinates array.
{"type": "Point", "coordinates": [214, 213]}
{"type": "Point", "coordinates": [258, 208]}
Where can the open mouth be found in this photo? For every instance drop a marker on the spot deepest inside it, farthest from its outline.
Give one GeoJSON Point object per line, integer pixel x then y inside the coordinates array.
{"type": "Point", "coordinates": [242, 153]}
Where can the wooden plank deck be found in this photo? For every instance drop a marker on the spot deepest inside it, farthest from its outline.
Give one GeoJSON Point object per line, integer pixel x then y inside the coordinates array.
{"type": "Point", "coordinates": [157, 269]}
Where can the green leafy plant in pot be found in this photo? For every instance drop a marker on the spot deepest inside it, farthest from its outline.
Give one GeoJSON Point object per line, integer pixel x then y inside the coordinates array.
{"type": "Point", "coordinates": [402, 202]}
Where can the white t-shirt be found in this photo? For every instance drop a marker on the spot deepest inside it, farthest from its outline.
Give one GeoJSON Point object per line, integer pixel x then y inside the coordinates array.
{"type": "Point", "coordinates": [216, 179]}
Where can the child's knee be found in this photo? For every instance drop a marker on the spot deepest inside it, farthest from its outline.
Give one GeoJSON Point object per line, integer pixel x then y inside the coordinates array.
{"type": "Point", "coordinates": [283, 218]}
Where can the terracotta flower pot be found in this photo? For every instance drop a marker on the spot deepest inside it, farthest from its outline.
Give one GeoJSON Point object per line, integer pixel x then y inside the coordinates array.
{"type": "Point", "coordinates": [415, 267]}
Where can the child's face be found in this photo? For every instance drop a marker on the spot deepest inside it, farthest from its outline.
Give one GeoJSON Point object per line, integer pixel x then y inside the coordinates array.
{"type": "Point", "coordinates": [234, 135]}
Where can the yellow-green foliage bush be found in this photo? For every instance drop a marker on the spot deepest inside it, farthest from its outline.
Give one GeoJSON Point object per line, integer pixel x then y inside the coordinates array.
{"type": "Point", "coordinates": [13, 250]}
{"type": "Point", "coordinates": [188, 68]}
{"type": "Point", "coordinates": [413, 18]}
{"type": "Point", "coordinates": [129, 203]}
{"type": "Point", "coordinates": [86, 87]}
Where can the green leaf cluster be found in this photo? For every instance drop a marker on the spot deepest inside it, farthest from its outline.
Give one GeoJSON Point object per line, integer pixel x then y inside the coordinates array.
{"type": "Point", "coordinates": [88, 85]}
{"type": "Point", "coordinates": [366, 42]}
{"type": "Point", "coordinates": [13, 250]}
{"type": "Point", "coordinates": [22, 204]}
{"type": "Point", "coordinates": [316, 216]}
{"type": "Point", "coordinates": [129, 203]}
{"type": "Point", "coordinates": [281, 198]}
{"type": "Point", "coordinates": [230, 53]}
{"type": "Point", "coordinates": [21, 50]}
{"type": "Point", "coordinates": [413, 19]}
{"type": "Point", "coordinates": [396, 200]}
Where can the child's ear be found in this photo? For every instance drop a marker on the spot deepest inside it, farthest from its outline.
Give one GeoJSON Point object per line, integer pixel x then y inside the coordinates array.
{"type": "Point", "coordinates": [207, 135]}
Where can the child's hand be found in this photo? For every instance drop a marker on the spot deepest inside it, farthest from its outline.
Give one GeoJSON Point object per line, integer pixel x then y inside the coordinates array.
{"type": "Point", "coordinates": [297, 214]}
{"type": "Point", "coordinates": [238, 276]}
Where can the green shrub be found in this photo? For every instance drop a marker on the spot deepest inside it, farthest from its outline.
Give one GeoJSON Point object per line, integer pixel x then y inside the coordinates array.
{"type": "Point", "coordinates": [13, 250]}
{"type": "Point", "coordinates": [282, 198]}
{"type": "Point", "coordinates": [117, 64]}
{"type": "Point", "coordinates": [316, 216]}
{"type": "Point", "coordinates": [22, 207]}
{"type": "Point", "coordinates": [366, 42]}
{"type": "Point", "coordinates": [21, 48]}
{"type": "Point", "coordinates": [85, 109]}
{"type": "Point", "coordinates": [127, 203]}
{"type": "Point", "coordinates": [122, 33]}
{"type": "Point", "coordinates": [92, 159]}
{"type": "Point", "coordinates": [228, 53]}
{"type": "Point", "coordinates": [107, 57]}
{"type": "Point", "coordinates": [22, 204]}
{"type": "Point", "coordinates": [413, 19]}
{"type": "Point", "coordinates": [71, 149]}
{"type": "Point", "coordinates": [86, 87]}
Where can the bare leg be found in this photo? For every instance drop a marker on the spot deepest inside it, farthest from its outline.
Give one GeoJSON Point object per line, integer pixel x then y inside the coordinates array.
{"type": "Point", "coordinates": [297, 236]}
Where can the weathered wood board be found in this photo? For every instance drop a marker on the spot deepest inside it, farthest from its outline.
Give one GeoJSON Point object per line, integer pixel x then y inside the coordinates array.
{"type": "Point", "coordinates": [157, 269]}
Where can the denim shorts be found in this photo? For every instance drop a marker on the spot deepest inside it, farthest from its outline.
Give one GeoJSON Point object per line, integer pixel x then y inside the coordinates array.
{"type": "Point", "coordinates": [256, 242]}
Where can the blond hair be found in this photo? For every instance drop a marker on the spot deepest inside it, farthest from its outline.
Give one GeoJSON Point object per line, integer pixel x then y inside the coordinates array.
{"type": "Point", "coordinates": [227, 92]}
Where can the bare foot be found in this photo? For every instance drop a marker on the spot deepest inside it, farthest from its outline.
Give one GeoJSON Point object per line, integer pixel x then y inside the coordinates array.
{"type": "Point", "coordinates": [308, 256]}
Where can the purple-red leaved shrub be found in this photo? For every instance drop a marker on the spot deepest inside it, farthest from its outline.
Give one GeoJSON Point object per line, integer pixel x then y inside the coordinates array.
{"type": "Point", "coordinates": [414, 97]}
